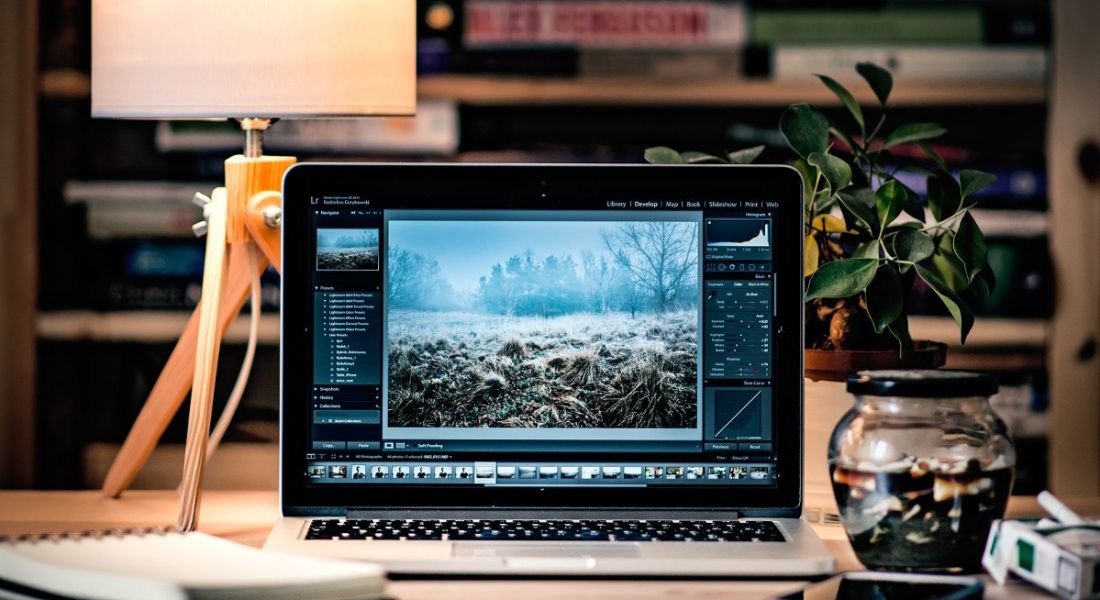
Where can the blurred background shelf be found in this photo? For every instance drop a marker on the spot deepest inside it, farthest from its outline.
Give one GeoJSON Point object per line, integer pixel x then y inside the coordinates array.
{"type": "Point", "coordinates": [508, 90]}
{"type": "Point", "coordinates": [118, 267]}
{"type": "Point", "coordinates": [988, 332]}
{"type": "Point", "coordinates": [140, 326]}
{"type": "Point", "coordinates": [519, 90]}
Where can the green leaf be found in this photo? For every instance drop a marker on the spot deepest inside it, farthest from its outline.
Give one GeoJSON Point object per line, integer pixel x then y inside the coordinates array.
{"type": "Point", "coordinates": [913, 132]}
{"type": "Point", "coordinates": [663, 155]}
{"type": "Point", "coordinates": [890, 199]}
{"type": "Point", "coordinates": [843, 137]}
{"type": "Point", "coordinates": [948, 266]}
{"type": "Point", "coordinates": [900, 330]}
{"type": "Point", "coordinates": [745, 155]}
{"type": "Point", "coordinates": [935, 158]}
{"type": "Point", "coordinates": [846, 98]}
{"type": "Point", "coordinates": [884, 298]}
{"type": "Point", "coordinates": [841, 278]}
{"type": "Point", "coordinates": [989, 277]}
{"type": "Point", "coordinates": [972, 181]}
{"type": "Point", "coordinates": [913, 245]}
{"type": "Point", "coordinates": [693, 157]}
{"type": "Point", "coordinates": [944, 197]}
{"type": "Point", "coordinates": [880, 80]}
{"type": "Point", "coordinates": [824, 202]}
{"type": "Point", "coordinates": [869, 249]}
{"type": "Point", "coordinates": [809, 176]}
{"type": "Point", "coordinates": [913, 206]}
{"type": "Point", "coordinates": [970, 247]}
{"type": "Point", "coordinates": [861, 203]}
{"type": "Point", "coordinates": [955, 305]}
{"type": "Point", "coordinates": [805, 129]}
{"type": "Point", "coordinates": [835, 170]}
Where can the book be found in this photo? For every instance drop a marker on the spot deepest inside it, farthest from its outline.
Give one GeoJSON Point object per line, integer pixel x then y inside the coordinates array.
{"type": "Point", "coordinates": [661, 63]}
{"type": "Point", "coordinates": [601, 24]}
{"type": "Point", "coordinates": [896, 26]}
{"type": "Point", "coordinates": [120, 209]}
{"type": "Point", "coordinates": [151, 565]}
{"type": "Point", "coordinates": [1020, 64]}
{"type": "Point", "coordinates": [433, 131]}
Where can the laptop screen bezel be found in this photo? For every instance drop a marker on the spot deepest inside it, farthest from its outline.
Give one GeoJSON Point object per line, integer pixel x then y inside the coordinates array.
{"type": "Point", "coordinates": [537, 186]}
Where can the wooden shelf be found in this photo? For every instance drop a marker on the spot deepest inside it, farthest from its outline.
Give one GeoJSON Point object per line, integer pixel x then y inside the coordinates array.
{"type": "Point", "coordinates": [501, 90]}
{"type": "Point", "coordinates": [1001, 333]}
{"type": "Point", "coordinates": [508, 90]}
{"type": "Point", "coordinates": [140, 326]}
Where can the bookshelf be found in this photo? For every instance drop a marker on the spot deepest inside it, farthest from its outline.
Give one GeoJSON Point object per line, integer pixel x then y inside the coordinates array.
{"type": "Point", "coordinates": [524, 117]}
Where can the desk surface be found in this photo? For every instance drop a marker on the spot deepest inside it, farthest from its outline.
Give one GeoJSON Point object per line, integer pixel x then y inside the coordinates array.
{"type": "Point", "coordinates": [246, 517]}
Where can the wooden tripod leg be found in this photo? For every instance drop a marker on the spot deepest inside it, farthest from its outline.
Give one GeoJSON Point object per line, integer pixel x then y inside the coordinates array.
{"type": "Point", "coordinates": [175, 380]}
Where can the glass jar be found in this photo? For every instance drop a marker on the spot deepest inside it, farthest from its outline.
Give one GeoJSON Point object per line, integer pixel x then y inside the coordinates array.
{"type": "Point", "coordinates": [921, 466]}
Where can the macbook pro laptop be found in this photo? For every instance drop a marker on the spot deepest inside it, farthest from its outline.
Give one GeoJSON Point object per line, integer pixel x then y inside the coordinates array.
{"type": "Point", "coordinates": [544, 369]}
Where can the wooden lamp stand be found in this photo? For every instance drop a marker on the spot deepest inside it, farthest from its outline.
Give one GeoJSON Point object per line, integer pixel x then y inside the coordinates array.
{"type": "Point", "coordinates": [242, 238]}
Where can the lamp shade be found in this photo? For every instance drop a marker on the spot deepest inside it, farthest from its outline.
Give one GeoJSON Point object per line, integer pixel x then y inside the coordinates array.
{"type": "Point", "coordinates": [253, 58]}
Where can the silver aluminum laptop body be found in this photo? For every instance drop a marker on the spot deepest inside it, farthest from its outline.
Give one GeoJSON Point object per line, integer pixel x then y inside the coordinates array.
{"type": "Point", "coordinates": [333, 212]}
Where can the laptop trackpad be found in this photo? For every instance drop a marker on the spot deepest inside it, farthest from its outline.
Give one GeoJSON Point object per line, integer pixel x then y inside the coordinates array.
{"type": "Point", "coordinates": [545, 550]}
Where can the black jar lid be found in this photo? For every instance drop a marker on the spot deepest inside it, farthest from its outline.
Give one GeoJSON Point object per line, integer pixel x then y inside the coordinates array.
{"type": "Point", "coordinates": [922, 383]}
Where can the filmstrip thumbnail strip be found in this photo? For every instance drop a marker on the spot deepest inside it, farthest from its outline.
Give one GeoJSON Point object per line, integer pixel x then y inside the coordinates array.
{"type": "Point", "coordinates": [521, 473]}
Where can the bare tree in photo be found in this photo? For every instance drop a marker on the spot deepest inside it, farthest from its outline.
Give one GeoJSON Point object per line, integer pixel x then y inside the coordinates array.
{"type": "Point", "coordinates": [410, 277]}
{"type": "Point", "coordinates": [661, 255]}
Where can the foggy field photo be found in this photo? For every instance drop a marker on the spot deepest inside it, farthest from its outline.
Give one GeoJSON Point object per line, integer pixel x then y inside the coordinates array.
{"type": "Point", "coordinates": [524, 324]}
{"type": "Point", "coordinates": [347, 249]}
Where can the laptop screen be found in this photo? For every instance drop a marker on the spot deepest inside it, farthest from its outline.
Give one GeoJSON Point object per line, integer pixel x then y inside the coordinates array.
{"type": "Point", "coordinates": [604, 342]}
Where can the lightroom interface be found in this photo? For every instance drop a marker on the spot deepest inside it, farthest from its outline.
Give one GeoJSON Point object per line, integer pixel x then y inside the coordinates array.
{"type": "Point", "coordinates": [622, 344]}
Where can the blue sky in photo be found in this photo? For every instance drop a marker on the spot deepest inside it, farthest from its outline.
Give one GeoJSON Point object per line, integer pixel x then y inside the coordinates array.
{"type": "Point", "coordinates": [467, 250]}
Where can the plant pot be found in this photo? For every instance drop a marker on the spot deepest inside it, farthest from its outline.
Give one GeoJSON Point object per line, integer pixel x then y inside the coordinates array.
{"type": "Point", "coordinates": [827, 400]}
{"type": "Point", "coordinates": [836, 365]}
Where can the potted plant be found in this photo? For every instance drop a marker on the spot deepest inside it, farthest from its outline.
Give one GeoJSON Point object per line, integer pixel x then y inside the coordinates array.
{"type": "Point", "coordinates": [868, 239]}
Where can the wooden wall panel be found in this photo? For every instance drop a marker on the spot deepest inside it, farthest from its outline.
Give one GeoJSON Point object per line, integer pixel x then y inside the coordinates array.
{"type": "Point", "coordinates": [1075, 245]}
{"type": "Point", "coordinates": [18, 229]}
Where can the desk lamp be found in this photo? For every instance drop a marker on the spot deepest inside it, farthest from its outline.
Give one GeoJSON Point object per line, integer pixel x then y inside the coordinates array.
{"type": "Point", "coordinates": [255, 61]}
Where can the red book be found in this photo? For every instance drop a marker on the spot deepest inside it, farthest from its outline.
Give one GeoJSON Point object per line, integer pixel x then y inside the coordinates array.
{"type": "Point", "coordinates": [593, 24]}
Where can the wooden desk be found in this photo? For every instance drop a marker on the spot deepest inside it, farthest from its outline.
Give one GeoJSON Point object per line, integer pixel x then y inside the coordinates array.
{"type": "Point", "coordinates": [246, 517]}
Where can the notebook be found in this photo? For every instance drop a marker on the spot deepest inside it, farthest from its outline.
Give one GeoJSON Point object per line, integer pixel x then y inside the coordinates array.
{"type": "Point", "coordinates": [151, 565]}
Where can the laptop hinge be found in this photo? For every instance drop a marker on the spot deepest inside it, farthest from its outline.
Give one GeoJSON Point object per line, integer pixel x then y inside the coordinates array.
{"type": "Point", "coordinates": [393, 512]}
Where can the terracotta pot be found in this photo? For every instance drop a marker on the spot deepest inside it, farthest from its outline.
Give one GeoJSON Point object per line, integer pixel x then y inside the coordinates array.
{"type": "Point", "coordinates": [836, 365]}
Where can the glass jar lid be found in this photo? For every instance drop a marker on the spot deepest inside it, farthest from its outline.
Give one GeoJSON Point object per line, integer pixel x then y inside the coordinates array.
{"type": "Point", "coordinates": [922, 383]}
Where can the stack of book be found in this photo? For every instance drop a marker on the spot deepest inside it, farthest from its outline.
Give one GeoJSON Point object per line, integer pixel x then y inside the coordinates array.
{"type": "Point", "coordinates": [920, 40]}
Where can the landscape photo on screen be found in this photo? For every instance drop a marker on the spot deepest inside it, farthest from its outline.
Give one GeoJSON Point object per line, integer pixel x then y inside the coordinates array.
{"type": "Point", "coordinates": [347, 249]}
{"type": "Point", "coordinates": [542, 324]}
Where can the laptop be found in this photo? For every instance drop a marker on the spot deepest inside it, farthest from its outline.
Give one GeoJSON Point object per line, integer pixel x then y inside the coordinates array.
{"type": "Point", "coordinates": [544, 370]}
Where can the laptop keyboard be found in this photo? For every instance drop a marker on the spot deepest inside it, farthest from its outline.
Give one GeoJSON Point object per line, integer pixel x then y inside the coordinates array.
{"type": "Point", "coordinates": [549, 529]}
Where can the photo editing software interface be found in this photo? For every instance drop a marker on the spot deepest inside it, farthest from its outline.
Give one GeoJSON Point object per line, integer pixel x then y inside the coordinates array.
{"type": "Point", "coordinates": [624, 344]}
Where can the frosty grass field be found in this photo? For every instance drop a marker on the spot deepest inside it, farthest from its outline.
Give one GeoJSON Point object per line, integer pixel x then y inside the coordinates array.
{"type": "Point", "coordinates": [347, 259]}
{"type": "Point", "coordinates": [582, 370]}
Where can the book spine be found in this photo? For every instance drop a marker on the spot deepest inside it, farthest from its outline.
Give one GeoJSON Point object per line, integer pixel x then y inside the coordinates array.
{"type": "Point", "coordinates": [595, 24]}
{"type": "Point", "coordinates": [988, 64]}
{"type": "Point", "coordinates": [931, 26]}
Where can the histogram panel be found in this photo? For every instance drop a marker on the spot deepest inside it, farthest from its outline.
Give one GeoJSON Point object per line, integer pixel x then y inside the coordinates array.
{"type": "Point", "coordinates": [739, 239]}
